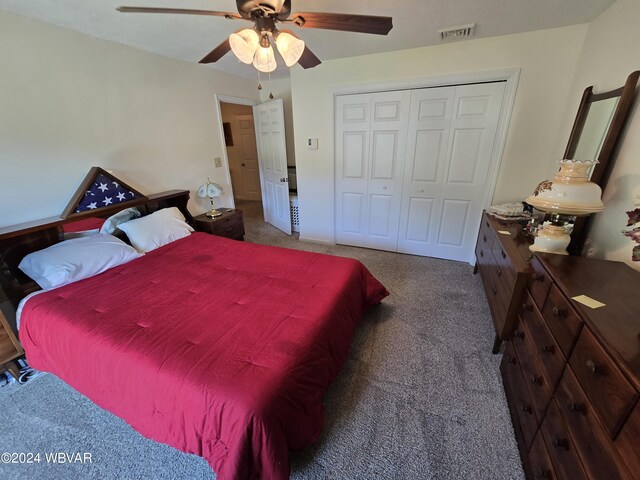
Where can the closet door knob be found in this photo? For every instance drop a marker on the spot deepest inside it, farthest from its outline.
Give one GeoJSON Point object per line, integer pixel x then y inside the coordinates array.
{"type": "Point", "coordinates": [421, 190]}
{"type": "Point", "coordinates": [384, 188]}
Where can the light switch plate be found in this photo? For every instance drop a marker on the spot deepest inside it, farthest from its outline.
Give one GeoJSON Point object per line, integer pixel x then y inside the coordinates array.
{"type": "Point", "coordinates": [217, 161]}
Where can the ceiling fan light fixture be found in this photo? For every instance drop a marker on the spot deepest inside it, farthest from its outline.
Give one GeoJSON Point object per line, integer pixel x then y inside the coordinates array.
{"type": "Point", "coordinates": [265, 60]}
{"type": "Point", "coordinates": [244, 44]}
{"type": "Point", "coordinates": [290, 47]}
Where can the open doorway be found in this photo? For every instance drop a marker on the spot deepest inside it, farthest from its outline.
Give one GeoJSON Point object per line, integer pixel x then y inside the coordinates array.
{"type": "Point", "coordinates": [242, 155]}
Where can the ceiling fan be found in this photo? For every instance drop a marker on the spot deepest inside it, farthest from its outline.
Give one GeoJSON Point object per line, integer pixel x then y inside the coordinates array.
{"type": "Point", "coordinates": [254, 45]}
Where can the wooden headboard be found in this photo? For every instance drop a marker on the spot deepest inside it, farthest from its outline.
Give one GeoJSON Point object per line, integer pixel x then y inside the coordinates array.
{"type": "Point", "coordinates": [17, 241]}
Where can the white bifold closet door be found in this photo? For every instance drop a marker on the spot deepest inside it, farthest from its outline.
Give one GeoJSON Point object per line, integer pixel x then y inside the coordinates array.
{"type": "Point", "coordinates": [370, 147]}
{"type": "Point", "coordinates": [435, 170]}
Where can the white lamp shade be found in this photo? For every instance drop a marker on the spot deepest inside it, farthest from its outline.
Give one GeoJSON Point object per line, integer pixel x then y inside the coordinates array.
{"type": "Point", "coordinates": [290, 47]}
{"type": "Point", "coordinates": [265, 60]}
{"type": "Point", "coordinates": [244, 44]}
{"type": "Point", "coordinates": [209, 190]}
{"type": "Point", "coordinates": [570, 192]}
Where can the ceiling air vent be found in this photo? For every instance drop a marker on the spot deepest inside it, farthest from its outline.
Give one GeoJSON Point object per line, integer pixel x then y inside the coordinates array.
{"type": "Point", "coordinates": [457, 32]}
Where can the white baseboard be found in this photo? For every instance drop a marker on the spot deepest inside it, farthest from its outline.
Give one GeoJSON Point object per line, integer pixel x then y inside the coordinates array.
{"type": "Point", "coordinates": [316, 240]}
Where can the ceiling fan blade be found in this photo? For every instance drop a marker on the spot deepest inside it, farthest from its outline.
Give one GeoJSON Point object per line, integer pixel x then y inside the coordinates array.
{"type": "Point", "coordinates": [217, 53]}
{"type": "Point", "coordinates": [344, 22]}
{"type": "Point", "coordinates": [308, 59]}
{"type": "Point", "coordinates": [179, 11]}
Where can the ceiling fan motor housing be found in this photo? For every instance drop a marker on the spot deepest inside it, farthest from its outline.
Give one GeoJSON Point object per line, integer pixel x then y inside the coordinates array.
{"type": "Point", "coordinates": [250, 9]}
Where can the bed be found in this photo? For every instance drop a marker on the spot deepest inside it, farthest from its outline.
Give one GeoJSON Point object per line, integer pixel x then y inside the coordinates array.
{"type": "Point", "coordinates": [216, 347]}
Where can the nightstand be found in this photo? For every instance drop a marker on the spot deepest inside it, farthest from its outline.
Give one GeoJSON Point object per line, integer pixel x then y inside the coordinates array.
{"type": "Point", "coordinates": [10, 349]}
{"type": "Point", "coordinates": [229, 224]}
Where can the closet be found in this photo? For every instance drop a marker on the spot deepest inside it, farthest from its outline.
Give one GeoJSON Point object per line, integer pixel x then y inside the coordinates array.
{"type": "Point", "coordinates": [412, 167]}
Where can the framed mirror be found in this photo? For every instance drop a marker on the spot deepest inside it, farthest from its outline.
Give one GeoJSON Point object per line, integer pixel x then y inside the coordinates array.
{"type": "Point", "coordinates": [594, 136]}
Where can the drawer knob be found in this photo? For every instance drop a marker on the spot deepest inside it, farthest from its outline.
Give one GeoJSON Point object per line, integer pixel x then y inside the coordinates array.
{"type": "Point", "coordinates": [481, 253]}
{"type": "Point", "coordinates": [484, 238]}
{"type": "Point", "coordinates": [538, 278]}
{"type": "Point", "coordinates": [527, 307]}
{"type": "Point", "coordinates": [504, 255]}
{"type": "Point", "coordinates": [543, 473]}
{"type": "Point", "coordinates": [559, 312]}
{"type": "Point", "coordinates": [560, 443]}
{"type": "Point", "coordinates": [549, 349]}
{"type": "Point", "coordinates": [512, 360]}
{"type": "Point", "coordinates": [499, 272]}
{"type": "Point", "coordinates": [518, 334]}
{"type": "Point", "coordinates": [495, 290]}
{"type": "Point", "coordinates": [578, 407]}
{"type": "Point", "coordinates": [592, 367]}
{"type": "Point", "coordinates": [536, 380]}
{"type": "Point", "coordinates": [527, 409]}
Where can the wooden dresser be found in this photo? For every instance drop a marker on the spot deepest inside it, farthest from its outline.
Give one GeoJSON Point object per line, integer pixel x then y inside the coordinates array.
{"type": "Point", "coordinates": [572, 373]}
{"type": "Point", "coordinates": [502, 253]}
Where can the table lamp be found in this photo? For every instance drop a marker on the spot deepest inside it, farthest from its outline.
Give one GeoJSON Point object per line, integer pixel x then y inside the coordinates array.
{"type": "Point", "coordinates": [211, 190]}
{"type": "Point", "coordinates": [569, 194]}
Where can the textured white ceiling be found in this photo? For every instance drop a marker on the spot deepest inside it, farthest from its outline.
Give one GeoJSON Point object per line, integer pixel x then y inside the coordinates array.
{"type": "Point", "coordinates": [415, 23]}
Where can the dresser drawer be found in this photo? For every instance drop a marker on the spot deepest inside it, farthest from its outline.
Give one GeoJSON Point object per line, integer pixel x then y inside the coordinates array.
{"type": "Point", "coordinates": [610, 393]}
{"type": "Point", "coordinates": [486, 236]}
{"type": "Point", "coordinates": [539, 460]}
{"type": "Point", "coordinates": [518, 395]}
{"type": "Point", "coordinates": [627, 443]}
{"type": "Point", "coordinates": [539, 282]}
{"type": "Point", "coordinates": [566, 462]}
{"type": "Point", "coordinates": [537, 384]}
{"type": "Point", "coordinates": [595, 449]}
{"type": "Point", "coordinates": [562, 320]}
{"type": "Point", "coordinates": [550, 356]}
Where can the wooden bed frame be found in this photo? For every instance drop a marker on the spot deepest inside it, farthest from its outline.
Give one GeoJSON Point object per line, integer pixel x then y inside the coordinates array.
{"type": "Point", "coordinates": [17, 241]}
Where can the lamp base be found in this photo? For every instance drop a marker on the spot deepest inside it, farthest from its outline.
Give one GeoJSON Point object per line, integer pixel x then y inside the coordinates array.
{"type": "Point", "coordinates": [551, 239]}
{"type": "Point", "coordinates": [213, 213]}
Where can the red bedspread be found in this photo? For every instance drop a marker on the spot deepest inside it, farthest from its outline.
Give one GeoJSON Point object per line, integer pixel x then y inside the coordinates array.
{"type": "Point", "coordinates": [216, 347]}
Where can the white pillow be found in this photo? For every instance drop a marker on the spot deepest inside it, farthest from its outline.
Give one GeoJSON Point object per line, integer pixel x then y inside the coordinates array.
{"type": "Point", "coordinates": [73, 260]}
{"type": "Point", "coordinates": [112, 223]}
{"type": "Point", "coordinates": [155, 230]}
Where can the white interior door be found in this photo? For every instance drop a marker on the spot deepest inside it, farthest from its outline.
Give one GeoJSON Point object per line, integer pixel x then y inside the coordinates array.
{"type": "Point", "coordinates": [451, 140]}
{"type": "Point", "coordinates": [272, 159]}
{"type": "Point", "coordinates": [370, 150]}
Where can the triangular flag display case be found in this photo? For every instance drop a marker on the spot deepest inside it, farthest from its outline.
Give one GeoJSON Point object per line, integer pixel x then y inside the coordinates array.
{"type": "Point", "coordinates": [101, 190]}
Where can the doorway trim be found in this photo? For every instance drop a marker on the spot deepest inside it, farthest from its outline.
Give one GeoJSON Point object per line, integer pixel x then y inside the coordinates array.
{"type": "Point", "coordinates": [225, 158]}
{"type": "Point", "coordinates": [509, 75]}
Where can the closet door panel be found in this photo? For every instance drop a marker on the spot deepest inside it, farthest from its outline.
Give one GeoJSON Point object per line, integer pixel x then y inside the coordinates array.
{"type": "Point", "coordinates": [388, 146]}
{"type": "Point", "coordinates": [427, 142]}
{"type": "Point", "coordinates": [474, 125]}
{"type": "Point", "coordinates": [352, 168]}
{"type": "Point", "coordinates": [370, 150]}
{"type": "Point", "coordinates": [461, 164]}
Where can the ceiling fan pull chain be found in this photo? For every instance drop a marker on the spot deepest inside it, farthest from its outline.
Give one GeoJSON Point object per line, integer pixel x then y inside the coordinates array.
{"type": "Point", "coordinates": [270, 88]}
{"type": "Point", "coordinates": [259, 84]}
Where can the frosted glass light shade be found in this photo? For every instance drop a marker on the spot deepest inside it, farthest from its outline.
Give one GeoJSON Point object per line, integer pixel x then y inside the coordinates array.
{"type": "Point", "coordinates": [265, 60]}
{"type": "Point", "coordinates": [244, 44]}
{"type": "Point", "coordinates": [290, 47]}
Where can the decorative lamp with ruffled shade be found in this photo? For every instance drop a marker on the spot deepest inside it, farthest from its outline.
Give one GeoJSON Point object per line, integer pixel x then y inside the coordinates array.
{"type": "Point", "coordinates": [569, 194]}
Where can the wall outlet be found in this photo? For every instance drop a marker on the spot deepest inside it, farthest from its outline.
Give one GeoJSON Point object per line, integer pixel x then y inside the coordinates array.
{"type": "Point", "coordinates": [217, 161]}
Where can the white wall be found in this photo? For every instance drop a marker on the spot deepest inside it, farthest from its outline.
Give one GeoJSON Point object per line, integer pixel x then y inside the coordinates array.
{"type": "Point", "coordinates": [547, 59]}
{"type": "Point", "coordinates": [69, 101]}
{"type": "Point", "coordinates": [281, 88]}
{"type": "Point", "coordinates": [609, 55]}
